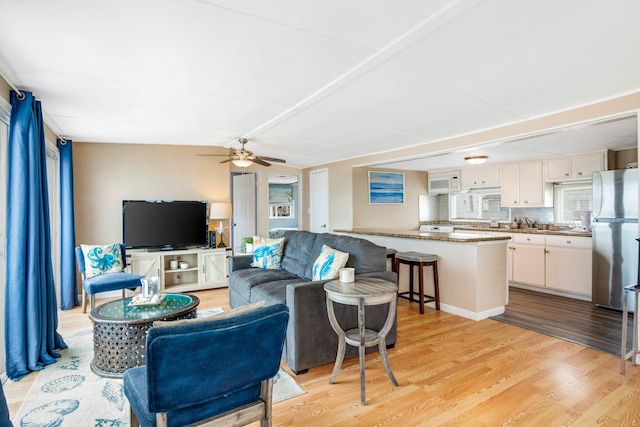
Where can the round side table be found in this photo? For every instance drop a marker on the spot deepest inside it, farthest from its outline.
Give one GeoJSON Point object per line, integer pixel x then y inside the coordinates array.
{"type": "Point", "coordinates": [362, 292]}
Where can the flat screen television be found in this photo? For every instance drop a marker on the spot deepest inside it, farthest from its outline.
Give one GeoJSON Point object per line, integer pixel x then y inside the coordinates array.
{"type": "Point", "coordinates": [164, 224]}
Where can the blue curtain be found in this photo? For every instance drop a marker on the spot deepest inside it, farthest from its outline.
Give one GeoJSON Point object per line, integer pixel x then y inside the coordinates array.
{"type": "Point", "coordinates": [68, 278]}
{"type": "Point", "coordinates": [31, 317]}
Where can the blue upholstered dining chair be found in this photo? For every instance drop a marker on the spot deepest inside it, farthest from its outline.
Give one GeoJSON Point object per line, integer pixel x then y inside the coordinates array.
{"type": "Point", "coordinates": [102, 270]}
{"type": "Point", "coordinates": [217, 371]}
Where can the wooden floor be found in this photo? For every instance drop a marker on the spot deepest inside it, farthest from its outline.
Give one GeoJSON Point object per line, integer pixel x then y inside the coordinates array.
{"type": "Point", "coordinates": [574, 320]}
{"type": "Point", "coordinates": [452, 372]}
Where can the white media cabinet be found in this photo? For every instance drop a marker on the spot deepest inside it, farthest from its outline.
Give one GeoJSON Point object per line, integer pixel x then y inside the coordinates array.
{"type": "Point", "coordinates": [208, 268]}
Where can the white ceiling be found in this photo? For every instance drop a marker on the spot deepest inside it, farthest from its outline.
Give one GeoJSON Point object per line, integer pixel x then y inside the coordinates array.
{"type": "Point", "coordinates": [313, 81]}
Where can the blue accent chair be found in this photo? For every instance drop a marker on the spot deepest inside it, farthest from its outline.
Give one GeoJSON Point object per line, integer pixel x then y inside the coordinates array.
{"type": "Point", "coordinates": [217, 371]}
{"type": "Point", "coordinates": [104, 282]}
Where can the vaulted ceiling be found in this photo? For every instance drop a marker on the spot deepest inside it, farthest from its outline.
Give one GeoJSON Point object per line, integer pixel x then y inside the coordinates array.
{"type": "Point", "coordinates": [313, 81]}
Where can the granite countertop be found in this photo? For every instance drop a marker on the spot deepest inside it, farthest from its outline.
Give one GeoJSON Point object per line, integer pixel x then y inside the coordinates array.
{"type": "Point", "coordinates": [526, 231]}
{"type": "Point", "coordinates": [460, 237]}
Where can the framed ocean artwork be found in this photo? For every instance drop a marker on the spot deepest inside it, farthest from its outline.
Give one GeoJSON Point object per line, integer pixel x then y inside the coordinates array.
{"type": "Point", "coordinates": [386, 187]}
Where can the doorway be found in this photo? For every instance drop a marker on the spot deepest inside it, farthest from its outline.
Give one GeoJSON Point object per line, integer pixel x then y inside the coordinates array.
{"type": "Point", "coordinates": [283, 201]}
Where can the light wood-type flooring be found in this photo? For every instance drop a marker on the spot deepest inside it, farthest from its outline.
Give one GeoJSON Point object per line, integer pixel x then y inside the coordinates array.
{"type": "Point", "coordinates": [452, 372]}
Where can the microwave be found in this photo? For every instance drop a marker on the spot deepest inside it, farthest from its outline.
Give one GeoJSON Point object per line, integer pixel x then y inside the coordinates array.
{"type": "Point", "coordinates": [443, 182]}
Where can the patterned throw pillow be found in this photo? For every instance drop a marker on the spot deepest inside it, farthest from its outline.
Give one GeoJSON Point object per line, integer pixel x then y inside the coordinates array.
{"type": "Point", "coordinates": [102, 259]}
{"type": "Point", "coordinates": [267, 253]}
{"type": "Point", "coordinates": [328, 264]}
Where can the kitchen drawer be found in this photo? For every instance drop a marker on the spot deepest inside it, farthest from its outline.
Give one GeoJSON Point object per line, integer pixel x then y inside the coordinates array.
{"type": "Point", "coordinates": [528, 239]}
{"type": "Point", "coordinates": [569, 242]}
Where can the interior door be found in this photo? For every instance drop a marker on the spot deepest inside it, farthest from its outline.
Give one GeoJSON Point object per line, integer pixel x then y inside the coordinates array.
{"type": "Point", "coordinates": [319, 200]}
{"type": "Point", "coordinates": [244, 208]}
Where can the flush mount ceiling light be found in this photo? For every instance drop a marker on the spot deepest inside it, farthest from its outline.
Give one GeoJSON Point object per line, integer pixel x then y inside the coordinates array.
{"type": "Point", "coordinates": [476, 160]}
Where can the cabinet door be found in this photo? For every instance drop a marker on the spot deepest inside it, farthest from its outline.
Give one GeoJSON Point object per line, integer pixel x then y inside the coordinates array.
{"type": "Point", "coordinates": [469, 178]}
{"type": "Point", "coordinates": [528, 264]}
{"type": "Point", "coordinates": [584, 165]}
{"type": "Point", "coordinates": [510, 188]}
{"type": "Point", "coordinates": [569, 270]}
{"type": "Point", "coordinates": [531, 185]}
{"type": "Point", "coordinates": [558, 169]}
{"type": "Point", "coordinates": [144, 265]}
{"type": "Point", "coordinates": [489, 176]}
{"type": "Point", "coordinates": [213, 269]}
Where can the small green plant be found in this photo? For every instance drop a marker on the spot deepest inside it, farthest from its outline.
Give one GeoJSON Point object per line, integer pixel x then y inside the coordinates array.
{"type": "Point", "coordinates": [246, 240]}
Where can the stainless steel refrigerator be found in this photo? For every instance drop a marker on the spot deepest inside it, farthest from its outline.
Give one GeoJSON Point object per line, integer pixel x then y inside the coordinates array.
{"type": "Point", "coordinates": [614, 230]}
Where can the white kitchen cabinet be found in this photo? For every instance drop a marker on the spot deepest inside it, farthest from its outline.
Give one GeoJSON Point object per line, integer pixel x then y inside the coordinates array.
{"type": "Point", "coordinates": [574, 168]}
{"type": "Point", "coordinates": [522, 185]}
{"type": "Point", "coordinates": [528, 259]}
{"type": "Point", "coordinates": [568, 264]}
{"type": "Point", "coordinates": [481, 177]}
{"type": "Point", "coordinates": [204, 268]}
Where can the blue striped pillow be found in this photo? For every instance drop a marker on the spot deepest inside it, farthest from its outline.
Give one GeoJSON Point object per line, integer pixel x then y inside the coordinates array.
{"type": "Point", "coordinates": [328, 264]}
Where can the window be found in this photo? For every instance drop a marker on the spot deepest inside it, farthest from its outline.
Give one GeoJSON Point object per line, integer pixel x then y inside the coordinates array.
{"type": "Point", "coordinates": [477, 204]}
{"type": "Point", "coordinates": [281, 201]}
{"type": "Point", "coordinates": [569, 198]}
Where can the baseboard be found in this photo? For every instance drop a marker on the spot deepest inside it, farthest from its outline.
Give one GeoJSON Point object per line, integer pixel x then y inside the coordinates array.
{"type": "Point", "coordinates": [472, 314]}
{"type": "Point", "coordinates": [550, 291]}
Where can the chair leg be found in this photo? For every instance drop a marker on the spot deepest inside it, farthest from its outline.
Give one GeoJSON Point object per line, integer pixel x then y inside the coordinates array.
{"type": "Point", "coordinates": [133, 420]}
{"type": "Point", "coordinates": [92, 298]}
{"type": "Point", "coordinates": [84, 301]}
{"type": "Point", "coordinates": [421, 286]}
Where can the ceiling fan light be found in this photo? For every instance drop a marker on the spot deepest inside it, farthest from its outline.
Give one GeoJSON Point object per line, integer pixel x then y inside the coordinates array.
{"type": "Point", "coordinates": [242, 163]}
{"type": "Point", "coordinates": [476, 160]}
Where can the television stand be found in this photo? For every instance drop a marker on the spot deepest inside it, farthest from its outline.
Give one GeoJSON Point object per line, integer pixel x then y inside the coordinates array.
{"type": "Point", "coordinates": [207, 268]}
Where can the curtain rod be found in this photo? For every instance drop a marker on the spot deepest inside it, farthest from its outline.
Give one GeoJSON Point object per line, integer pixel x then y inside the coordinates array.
{"type": "Point", "coordinates": [21, 97]}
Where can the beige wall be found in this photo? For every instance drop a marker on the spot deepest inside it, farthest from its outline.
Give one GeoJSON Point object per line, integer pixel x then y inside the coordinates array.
{"type": "Point", "coordinates": [401, 216]}
{"type": "Point", "coordinates": [107, 174]}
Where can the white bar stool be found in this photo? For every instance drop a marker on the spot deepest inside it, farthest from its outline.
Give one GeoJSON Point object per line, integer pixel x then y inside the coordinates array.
{"type": "Point", "coordinates": [624, 355]}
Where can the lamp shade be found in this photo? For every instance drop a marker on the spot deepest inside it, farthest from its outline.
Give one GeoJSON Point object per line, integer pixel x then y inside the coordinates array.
{"type": "Point", "coordinates": [476, 160]}
{"type": "Point", "coordinates": [220, 211]}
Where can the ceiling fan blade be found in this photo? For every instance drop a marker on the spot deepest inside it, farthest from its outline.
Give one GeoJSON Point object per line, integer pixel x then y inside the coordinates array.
{"type": "Point", "coordinates": [271, 159]}
{"type": "Point", "coordinates": [226, 161]}
{"type": "Point", "coordinates": [212, 155]}
{"type": "Point", "coordinates": [259, 161]}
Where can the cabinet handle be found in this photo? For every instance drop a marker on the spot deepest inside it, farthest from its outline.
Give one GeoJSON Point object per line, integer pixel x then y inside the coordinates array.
{"type": "Point", "coordinates": [568, 242]}
{"type": "Point", "coordinates": [546, 251]}
{"type": "Point", "coordinates": [526, 201]}
{"type": "Point", "coordinates": [566, 174]}
{"type": "Point", "coordinates": [515, 202]}
{"type": "Point", "coordinates": [579, 173]}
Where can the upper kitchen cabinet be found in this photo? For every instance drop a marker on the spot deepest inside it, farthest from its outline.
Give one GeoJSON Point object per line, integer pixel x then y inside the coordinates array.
{"type": "Point", "coordinates": [481, 177]}
{"type": "Point", "coordinates": [522, 185]}
{"type": "Point", "coordinates": [575, 168]}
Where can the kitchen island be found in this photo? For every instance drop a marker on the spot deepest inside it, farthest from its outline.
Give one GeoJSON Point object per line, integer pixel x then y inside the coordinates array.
{"type": "Point", "coordinates": [472, 268]}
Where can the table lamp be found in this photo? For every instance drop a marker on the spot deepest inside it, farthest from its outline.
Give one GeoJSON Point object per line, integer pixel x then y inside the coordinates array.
{"type": "Point", "coordinates": [220, 211]}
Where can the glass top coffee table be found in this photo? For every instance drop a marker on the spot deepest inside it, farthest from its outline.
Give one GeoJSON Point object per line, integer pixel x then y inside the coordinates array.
{"type": "Point", "coordinates": [120, 330]}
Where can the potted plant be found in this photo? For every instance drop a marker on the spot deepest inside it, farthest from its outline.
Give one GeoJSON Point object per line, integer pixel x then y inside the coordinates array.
{"type": "Point", "coordinates": [247, 245]}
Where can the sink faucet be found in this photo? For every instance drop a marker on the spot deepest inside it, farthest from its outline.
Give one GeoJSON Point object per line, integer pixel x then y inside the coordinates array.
{"type": "Point", "coordinates": [527, 221]}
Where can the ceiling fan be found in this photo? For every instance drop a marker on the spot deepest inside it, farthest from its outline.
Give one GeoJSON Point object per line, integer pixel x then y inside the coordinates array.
{"type": "Point", "coordinates": [243, 158]}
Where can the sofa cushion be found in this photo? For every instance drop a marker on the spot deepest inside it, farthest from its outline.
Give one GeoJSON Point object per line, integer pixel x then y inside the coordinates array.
{"type": "Point", "coordinates": [364, 256]}
{"type": "Point", "coordinates": [297, 248]}
{"type": "Point", "coordinates": [328, 264]}
{"type": "Point", "coordinates": [267, 253]}
{"type": "Point", "coordinates": [245, 280]}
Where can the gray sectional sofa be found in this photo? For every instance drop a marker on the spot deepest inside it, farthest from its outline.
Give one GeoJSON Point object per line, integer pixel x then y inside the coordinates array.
{"type": "Point", "coordinates": [310, 339]}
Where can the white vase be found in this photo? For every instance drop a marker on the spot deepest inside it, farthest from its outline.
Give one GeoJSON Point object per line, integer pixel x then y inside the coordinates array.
{"type": "Point", "coordinates": [249, 248]}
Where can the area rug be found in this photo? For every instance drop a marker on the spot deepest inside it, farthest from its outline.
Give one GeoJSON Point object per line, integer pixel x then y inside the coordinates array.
{"type": "Point", "coordinates": [68, 393]}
